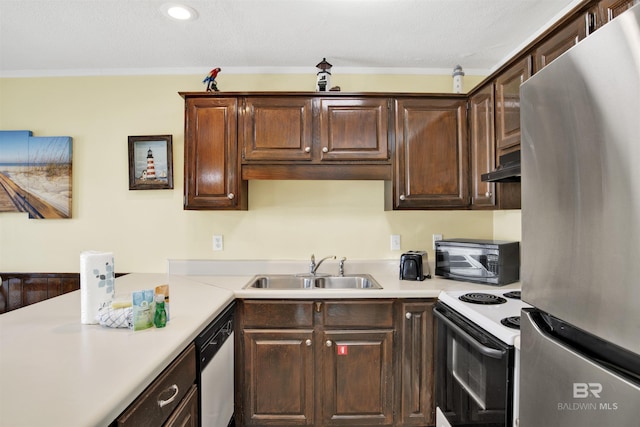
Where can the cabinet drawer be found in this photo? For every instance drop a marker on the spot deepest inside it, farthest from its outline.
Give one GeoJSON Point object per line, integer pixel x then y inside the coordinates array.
{"type": "Point", "coordinates": [187, 414]}
{"type": "Point", "coordinates": [364, 314]}
{"type": "Point", "coordinates": [167, 390]}
{"type": "Point", "coordinates": [277, 314]}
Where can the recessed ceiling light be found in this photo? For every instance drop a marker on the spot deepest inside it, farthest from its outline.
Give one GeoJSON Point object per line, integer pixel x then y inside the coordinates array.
{"type": "Point", "coordinates": [179, 11]}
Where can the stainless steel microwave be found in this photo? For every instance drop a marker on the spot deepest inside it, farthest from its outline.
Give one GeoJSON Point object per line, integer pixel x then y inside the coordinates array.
{"type": "Point", "coordinates": [493, 262]}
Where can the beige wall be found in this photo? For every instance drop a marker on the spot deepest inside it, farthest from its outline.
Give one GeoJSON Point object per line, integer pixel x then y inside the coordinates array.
{"type": "Point", "coordinates": [286, 219]}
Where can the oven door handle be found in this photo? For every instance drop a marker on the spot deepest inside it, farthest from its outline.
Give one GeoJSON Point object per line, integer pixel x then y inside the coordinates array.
{"type": "Point", "coordinates": [487, 351]}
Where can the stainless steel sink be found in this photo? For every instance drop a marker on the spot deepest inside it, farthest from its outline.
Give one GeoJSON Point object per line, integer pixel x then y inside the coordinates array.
{"type": "Point", "coordinates": [290, 281]}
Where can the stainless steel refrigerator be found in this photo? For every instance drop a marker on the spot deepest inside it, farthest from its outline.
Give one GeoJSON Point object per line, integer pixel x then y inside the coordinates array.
{"type": "Point", "coordinates": [580, 116]}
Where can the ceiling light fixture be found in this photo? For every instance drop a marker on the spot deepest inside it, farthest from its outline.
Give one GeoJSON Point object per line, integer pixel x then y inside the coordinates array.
{"type": "Point", "coordinates": [179, 12]}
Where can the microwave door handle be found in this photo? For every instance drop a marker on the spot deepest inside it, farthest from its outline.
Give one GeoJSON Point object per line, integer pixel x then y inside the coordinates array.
{"type": "Point", "coordinates": [487, 351]}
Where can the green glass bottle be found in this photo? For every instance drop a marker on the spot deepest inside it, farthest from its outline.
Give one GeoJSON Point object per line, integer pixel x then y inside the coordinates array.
{"type": "Point", "coordinates": [160, 318]}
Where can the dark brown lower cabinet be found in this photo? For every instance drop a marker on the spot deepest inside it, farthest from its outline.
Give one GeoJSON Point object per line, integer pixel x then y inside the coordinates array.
{"type": "Point", "coordinates": [170, 400]}
{"type": "Point", "coordinates": [357, 378]}
{"type": "Point", "coordinates": [416, 373]}
{"type": "Point", "coordinates": [334, 363]}
{"type": "Point", "coordinates": [278, 377]}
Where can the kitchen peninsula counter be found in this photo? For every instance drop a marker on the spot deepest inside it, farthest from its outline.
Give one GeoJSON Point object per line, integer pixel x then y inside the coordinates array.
{"type": "Point", "coordinates": [55, 371]}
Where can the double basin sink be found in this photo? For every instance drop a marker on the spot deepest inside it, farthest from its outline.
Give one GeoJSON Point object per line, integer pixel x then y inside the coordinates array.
{"type": "Point", "coordinates": [292, 281]}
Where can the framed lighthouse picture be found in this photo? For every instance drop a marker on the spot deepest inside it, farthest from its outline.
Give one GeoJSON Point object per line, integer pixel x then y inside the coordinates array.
{"type": "Point", "coordinates": [150, 162]}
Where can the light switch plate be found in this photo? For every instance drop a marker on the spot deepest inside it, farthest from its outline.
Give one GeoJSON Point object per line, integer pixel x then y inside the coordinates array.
{"type": "Point", "coordinates": [395, 242]}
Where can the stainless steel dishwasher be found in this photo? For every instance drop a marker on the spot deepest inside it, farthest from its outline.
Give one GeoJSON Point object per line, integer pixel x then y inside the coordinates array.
{"type": "Point", "coordinates": [214, 347]}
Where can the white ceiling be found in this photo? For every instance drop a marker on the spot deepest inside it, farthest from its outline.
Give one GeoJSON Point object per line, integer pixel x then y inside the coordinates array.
{"type": "Point", "coordinates": [78, 37]}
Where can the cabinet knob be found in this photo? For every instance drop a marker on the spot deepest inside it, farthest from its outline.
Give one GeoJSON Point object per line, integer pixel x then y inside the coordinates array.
{"type": "Point", "coordinates": [328, 343]}
{"type": "Point", "coordinates": [230, 196]}
{"type": "Point", "coordinates": [307, 149]}
{"type": "Point", "coordinates": [325, 150]}
{"type": "Point", "coordinates": [308, 343]}
{"type": "Point", "coordinates": [402, 197]}
{"type": "Point", "coordinates": [487, 194]}
{"type": "Point", "coordinates": [407, 315]}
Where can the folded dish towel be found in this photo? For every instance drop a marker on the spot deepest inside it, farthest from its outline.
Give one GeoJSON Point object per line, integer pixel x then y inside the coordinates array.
{"type": "Point", "coordinates": [97, 280]}
{"type": "Point", "coordinates": [116, 317]}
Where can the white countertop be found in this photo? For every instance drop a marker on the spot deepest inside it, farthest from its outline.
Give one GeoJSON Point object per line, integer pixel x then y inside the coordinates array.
{"type": "Point", "coordinates": [55, 371]}
{"type": "Point", "coordinates": [234, 275]}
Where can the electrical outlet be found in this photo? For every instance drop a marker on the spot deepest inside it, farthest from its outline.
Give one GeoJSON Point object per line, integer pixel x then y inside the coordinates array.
{"type": "Point", "coordinates": [218, 243]}
{"type": "Point", "coordinates": [395, 242]}
{"type": "Point", "coordinates": [436, 237]}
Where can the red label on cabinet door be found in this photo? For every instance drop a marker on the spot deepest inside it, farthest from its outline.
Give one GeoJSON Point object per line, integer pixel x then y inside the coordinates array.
{"type": "Point", "coordinates": [343, 350]}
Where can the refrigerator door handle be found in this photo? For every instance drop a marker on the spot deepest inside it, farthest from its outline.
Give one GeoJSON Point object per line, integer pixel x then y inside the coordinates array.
{"type": "Point", "coordinates": [486, 351]}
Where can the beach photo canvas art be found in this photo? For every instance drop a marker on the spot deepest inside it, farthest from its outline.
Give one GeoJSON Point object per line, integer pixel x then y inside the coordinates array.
{"type": "Point", "coordinates": [35, 174]}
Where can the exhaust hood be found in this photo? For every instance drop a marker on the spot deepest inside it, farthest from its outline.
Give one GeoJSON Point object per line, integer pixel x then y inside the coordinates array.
{"type": "Point", "coordinates": [507, 171]}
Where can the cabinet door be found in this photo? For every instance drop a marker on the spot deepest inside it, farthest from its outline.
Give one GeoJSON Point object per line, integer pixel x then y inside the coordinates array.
{"type": "Point", "coordinates": [564, 39]}
{"type": "Point", "coordinates": [432, 159]}
{"type": "Point", "coordinates": [354, 129]}
{"type": "Point", "coordinates": [416, 378]}
{"type": "Point", "coordinates": [508, 106]}
{"type": "Point", "coordinates": [357, 376]}
{"type": "Point", "coordinates": [609, 9]}
{"type": "Point", "coordinates": [212, 178]}
{"type": "Point", "coordinates": [482, 146]}
{"type": "Point", "coordinates": [278, 377]}
{"type": "Point", "coordinates": [277, 128]}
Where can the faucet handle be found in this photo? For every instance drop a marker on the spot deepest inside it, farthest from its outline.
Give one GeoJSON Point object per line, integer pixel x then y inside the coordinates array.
{"type": "Point", "coordinates": [341, 266]}
{"type": "Point", "coordinates": [312, 264]}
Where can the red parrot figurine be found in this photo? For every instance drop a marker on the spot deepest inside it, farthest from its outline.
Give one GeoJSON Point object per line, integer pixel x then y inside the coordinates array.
{"type": "Point", "coordinates": [210, 80]}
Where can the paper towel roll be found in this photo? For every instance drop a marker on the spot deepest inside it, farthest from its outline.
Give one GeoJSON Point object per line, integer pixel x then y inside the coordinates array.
{"type": "Point", "coordinates": [97, 278]}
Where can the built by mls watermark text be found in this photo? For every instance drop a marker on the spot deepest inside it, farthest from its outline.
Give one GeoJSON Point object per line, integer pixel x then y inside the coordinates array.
{"type": "Point", "coordinates": [585, 391]}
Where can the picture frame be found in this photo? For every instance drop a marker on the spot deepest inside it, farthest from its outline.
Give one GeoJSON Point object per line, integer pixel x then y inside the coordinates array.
{"type": "Point", "coordinates": [151, 162]}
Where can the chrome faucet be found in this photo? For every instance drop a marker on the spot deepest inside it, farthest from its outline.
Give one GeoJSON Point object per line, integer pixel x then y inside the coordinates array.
{"type": "Point", "coordinates": [313, 267]}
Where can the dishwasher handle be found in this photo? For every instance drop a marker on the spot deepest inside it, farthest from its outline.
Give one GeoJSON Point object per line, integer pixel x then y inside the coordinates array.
{"type": "Point", "coordinates": [483, 349]}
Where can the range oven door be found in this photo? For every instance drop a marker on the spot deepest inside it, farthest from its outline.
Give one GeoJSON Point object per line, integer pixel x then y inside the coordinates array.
{"type": "Point", "coordinates": [474, 373]}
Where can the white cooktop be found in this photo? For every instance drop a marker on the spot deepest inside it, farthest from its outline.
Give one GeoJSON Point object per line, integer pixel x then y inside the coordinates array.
{"type": "Point", "coordinates": [488, 317]}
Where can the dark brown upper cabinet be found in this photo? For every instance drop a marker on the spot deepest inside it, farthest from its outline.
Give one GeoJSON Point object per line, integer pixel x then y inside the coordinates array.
{"type": "Point", "coordinates": [606, 10]}
{"type": "Point", "coordinates": [354, 129]}
{"type": "Point", "coordinates": [560, 42]}
{"type": "Point", "coordinates": [277, 128]}
{"type": "Point", "coordinates": [212, 168]}
{"type": "Point", "coordinates": [508, 105]}
{"type": "Point", "coordinates": [432, 158]}
{"type": "Point", "coordinates": [482, 147]}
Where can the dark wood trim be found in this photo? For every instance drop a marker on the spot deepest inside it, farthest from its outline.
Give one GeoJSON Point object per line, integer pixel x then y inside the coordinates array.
{"type": "Point", "coordinates": [319, 94]}
{"type": "Point", "coordinates": [316, 171]}
{"type": "Point", "coordinates": [21, 289]}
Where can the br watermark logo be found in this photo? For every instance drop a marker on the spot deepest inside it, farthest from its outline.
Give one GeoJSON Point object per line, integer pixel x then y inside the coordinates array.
{"type": "Point", "coordinates": [584, 390]}
{"type": "Point", "coordinates": [588, 391]}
